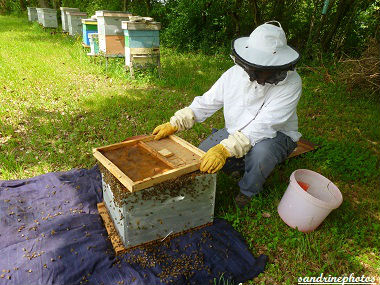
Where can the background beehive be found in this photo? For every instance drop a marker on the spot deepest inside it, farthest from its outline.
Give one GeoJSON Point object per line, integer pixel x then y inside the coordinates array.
{"type": "Point", "coordinates": [110, 33]}
{"type": "Point", "coordinates": [47, 17]}
{"type": "Point", "coordinates": [157, 201]}
{"type": "Point", "coordinates": [142, 43]}
{"type": "Point", "coordinates": [65, 26]}
{"type": "Point", "coordinates": [74, 20]}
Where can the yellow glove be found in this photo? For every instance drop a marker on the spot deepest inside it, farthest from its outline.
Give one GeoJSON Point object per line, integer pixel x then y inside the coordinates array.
{"type": "Point", "coordinates": [164, 130]}
{"type": "Point", "coordinates": [214, 159]}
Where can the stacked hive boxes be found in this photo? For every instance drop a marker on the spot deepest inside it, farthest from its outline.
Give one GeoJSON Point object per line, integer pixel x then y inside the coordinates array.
{"type": "Point", "coordinates": [65, 25]}
{"type": "Point", "coordinates": [110, 33]}
{"type": "Point", "coordinates": [89, 26]}
{"type": "Point", "coordinates": [74, 21]}
{"type": "Point", "coordinates": [142, 42]}
{"type": "Point", "coordinates": [32, 14]}
{"type": "Point", "coordinates": [152, 189]}
{"type": "Point", "coordinates": [47, 17]}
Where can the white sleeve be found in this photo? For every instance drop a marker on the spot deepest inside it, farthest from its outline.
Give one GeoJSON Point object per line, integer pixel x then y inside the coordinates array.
{"type": "Point", "coordinates": [206, 105]}
{"type": "Point", "coordinates": [183, 119]}
{"type": "Point", "coordinates": [275, 114]}
{"type": "Point", "coordinates": [237, 144]}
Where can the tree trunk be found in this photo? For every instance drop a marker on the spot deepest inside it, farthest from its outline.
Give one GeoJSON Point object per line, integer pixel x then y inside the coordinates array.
{"type": "Point", "coordinates": [3, 7]}
{"type": "Point", "coordinates": [148, 6]}
{"type": "Point", "coordinates": [22, 5]}
{"type": "Point", "coordinates": [236, 18]}
{"type": "Point", "coordinates": [125, 5]}
{"type": "Point", "coordinates": [255, 12]}
{"type": "Point", "coordinates": [310, 41]}
{"type": "Point", "coordinates": [278, 10]}
{"type": "Point", "coordinates": [343, 8]}
{"type": "Point", "coordinates": [322, 21]}
{"type": "Point", "coordinates": [43, 3]}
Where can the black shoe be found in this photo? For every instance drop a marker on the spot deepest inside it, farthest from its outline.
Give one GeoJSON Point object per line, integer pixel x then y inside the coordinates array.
{"type": "Point", "coordinates": [242, 200]}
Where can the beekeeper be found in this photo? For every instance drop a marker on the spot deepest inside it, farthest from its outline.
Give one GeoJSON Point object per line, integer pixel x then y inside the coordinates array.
{"type": "Point", "coordinates": [259, 97]}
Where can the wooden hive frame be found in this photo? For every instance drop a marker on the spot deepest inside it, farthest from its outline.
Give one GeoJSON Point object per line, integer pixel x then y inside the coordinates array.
{"type": "Point", "coordinates": [133, 186]}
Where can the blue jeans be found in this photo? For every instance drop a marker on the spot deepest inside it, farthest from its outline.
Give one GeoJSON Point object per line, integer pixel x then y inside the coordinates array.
{"type": "Point", "coordinates": [258, 163]}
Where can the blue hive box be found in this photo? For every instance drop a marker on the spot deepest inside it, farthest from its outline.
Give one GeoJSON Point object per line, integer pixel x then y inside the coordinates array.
{"type": "Point", "coordinates": [90, 26]}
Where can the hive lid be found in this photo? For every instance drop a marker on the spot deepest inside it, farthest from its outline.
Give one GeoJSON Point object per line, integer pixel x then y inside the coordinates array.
{"type": "Point", "coordinates": [143, 162]}
{"type": "Point", "coordinates": [140, 25]}
{"type": "Point", "coordinates": [90, 21]}
{"type": "Point", "coordinates": [76, 13]}
{"type": "Point", "coordinates": [68, 9]}
{"type": "Point", "coordinates": [47, 9]}
{"type": "Point", "coordinates": [107, 13]}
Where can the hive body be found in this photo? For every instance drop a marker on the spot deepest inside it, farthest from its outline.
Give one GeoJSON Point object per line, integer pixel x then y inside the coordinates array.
{"type": "Point", "coordinates": [110, 34]}
{"type": "Point", "coordinates": [162, 210]}
{"type": "Point", "coordinates": [65, 25]}
{"type": "Point", "coordinates": [153, 189]}
{"type": "Point", "coordinates": [47, 17]}
{"type": "Point", "coordinates": [142, 43]}
{"type": "Point", "coordinates": [74, 20]}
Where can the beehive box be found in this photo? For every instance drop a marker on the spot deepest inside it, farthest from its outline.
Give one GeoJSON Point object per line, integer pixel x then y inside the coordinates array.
{"type": "Point", "coordinates": [94, 44]}
{"type": "Point", "coordinates": [153, 189]}
{"type": "Point", "coordinates": [74, 21]}
{"type": "Point", "coordinates": [110, 33]}
{"type": "Point", "coordinates": [65, 25]}
{"type": "Point", "coordinates": [47, 17]}
{"type": "Point", "coordinates": [32, 14]}
{"type": "Point", "coordinates": [89, 26]}
{"type": "Point", "coordinates": [142, 42]}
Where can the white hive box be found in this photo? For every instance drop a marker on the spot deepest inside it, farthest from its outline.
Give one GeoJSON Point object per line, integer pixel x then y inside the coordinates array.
{"type": "Point", "coordinates": [153, 189]}
{"type": "Point", "coordinates": [65, 26]}
{"type": "Point", "coordinates": [74, 20]}
{"type": "Point", "coordinates": [48, 17]}
{"type": "Point", "coordinates": [32, 14]}
{"type": "Point", "coordinates": [110, 33]}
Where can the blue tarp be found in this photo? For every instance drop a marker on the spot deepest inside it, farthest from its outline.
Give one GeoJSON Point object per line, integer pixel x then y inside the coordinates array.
{"type": "Point", "coordinates": [51, 233]}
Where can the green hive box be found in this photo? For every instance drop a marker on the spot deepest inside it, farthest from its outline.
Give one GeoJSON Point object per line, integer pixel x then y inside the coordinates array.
{"type": "Point", "coordinates": [142, 42]}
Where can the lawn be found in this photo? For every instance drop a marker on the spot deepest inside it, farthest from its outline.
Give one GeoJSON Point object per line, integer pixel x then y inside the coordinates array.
{"type": "Point", "coordinates": [56, 104]}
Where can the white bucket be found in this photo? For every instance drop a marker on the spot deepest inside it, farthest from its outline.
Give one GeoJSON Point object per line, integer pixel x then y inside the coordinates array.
{"type": "Point", "coordinates": [306, 210]}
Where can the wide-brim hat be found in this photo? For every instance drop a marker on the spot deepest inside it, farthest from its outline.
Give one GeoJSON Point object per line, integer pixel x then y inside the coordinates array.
{"type": "Point", "coordinates": [266, 48]}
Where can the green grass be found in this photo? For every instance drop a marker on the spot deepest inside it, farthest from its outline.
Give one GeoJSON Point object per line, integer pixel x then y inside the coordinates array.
{"type": "Point", "coordinates": [56, 104]}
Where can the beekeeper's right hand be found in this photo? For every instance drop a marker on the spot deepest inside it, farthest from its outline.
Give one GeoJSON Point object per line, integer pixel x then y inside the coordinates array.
{"type": "Point", "coordinates": [182, 120]}
{"type": "Point", "coordinates": [164, 130]}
